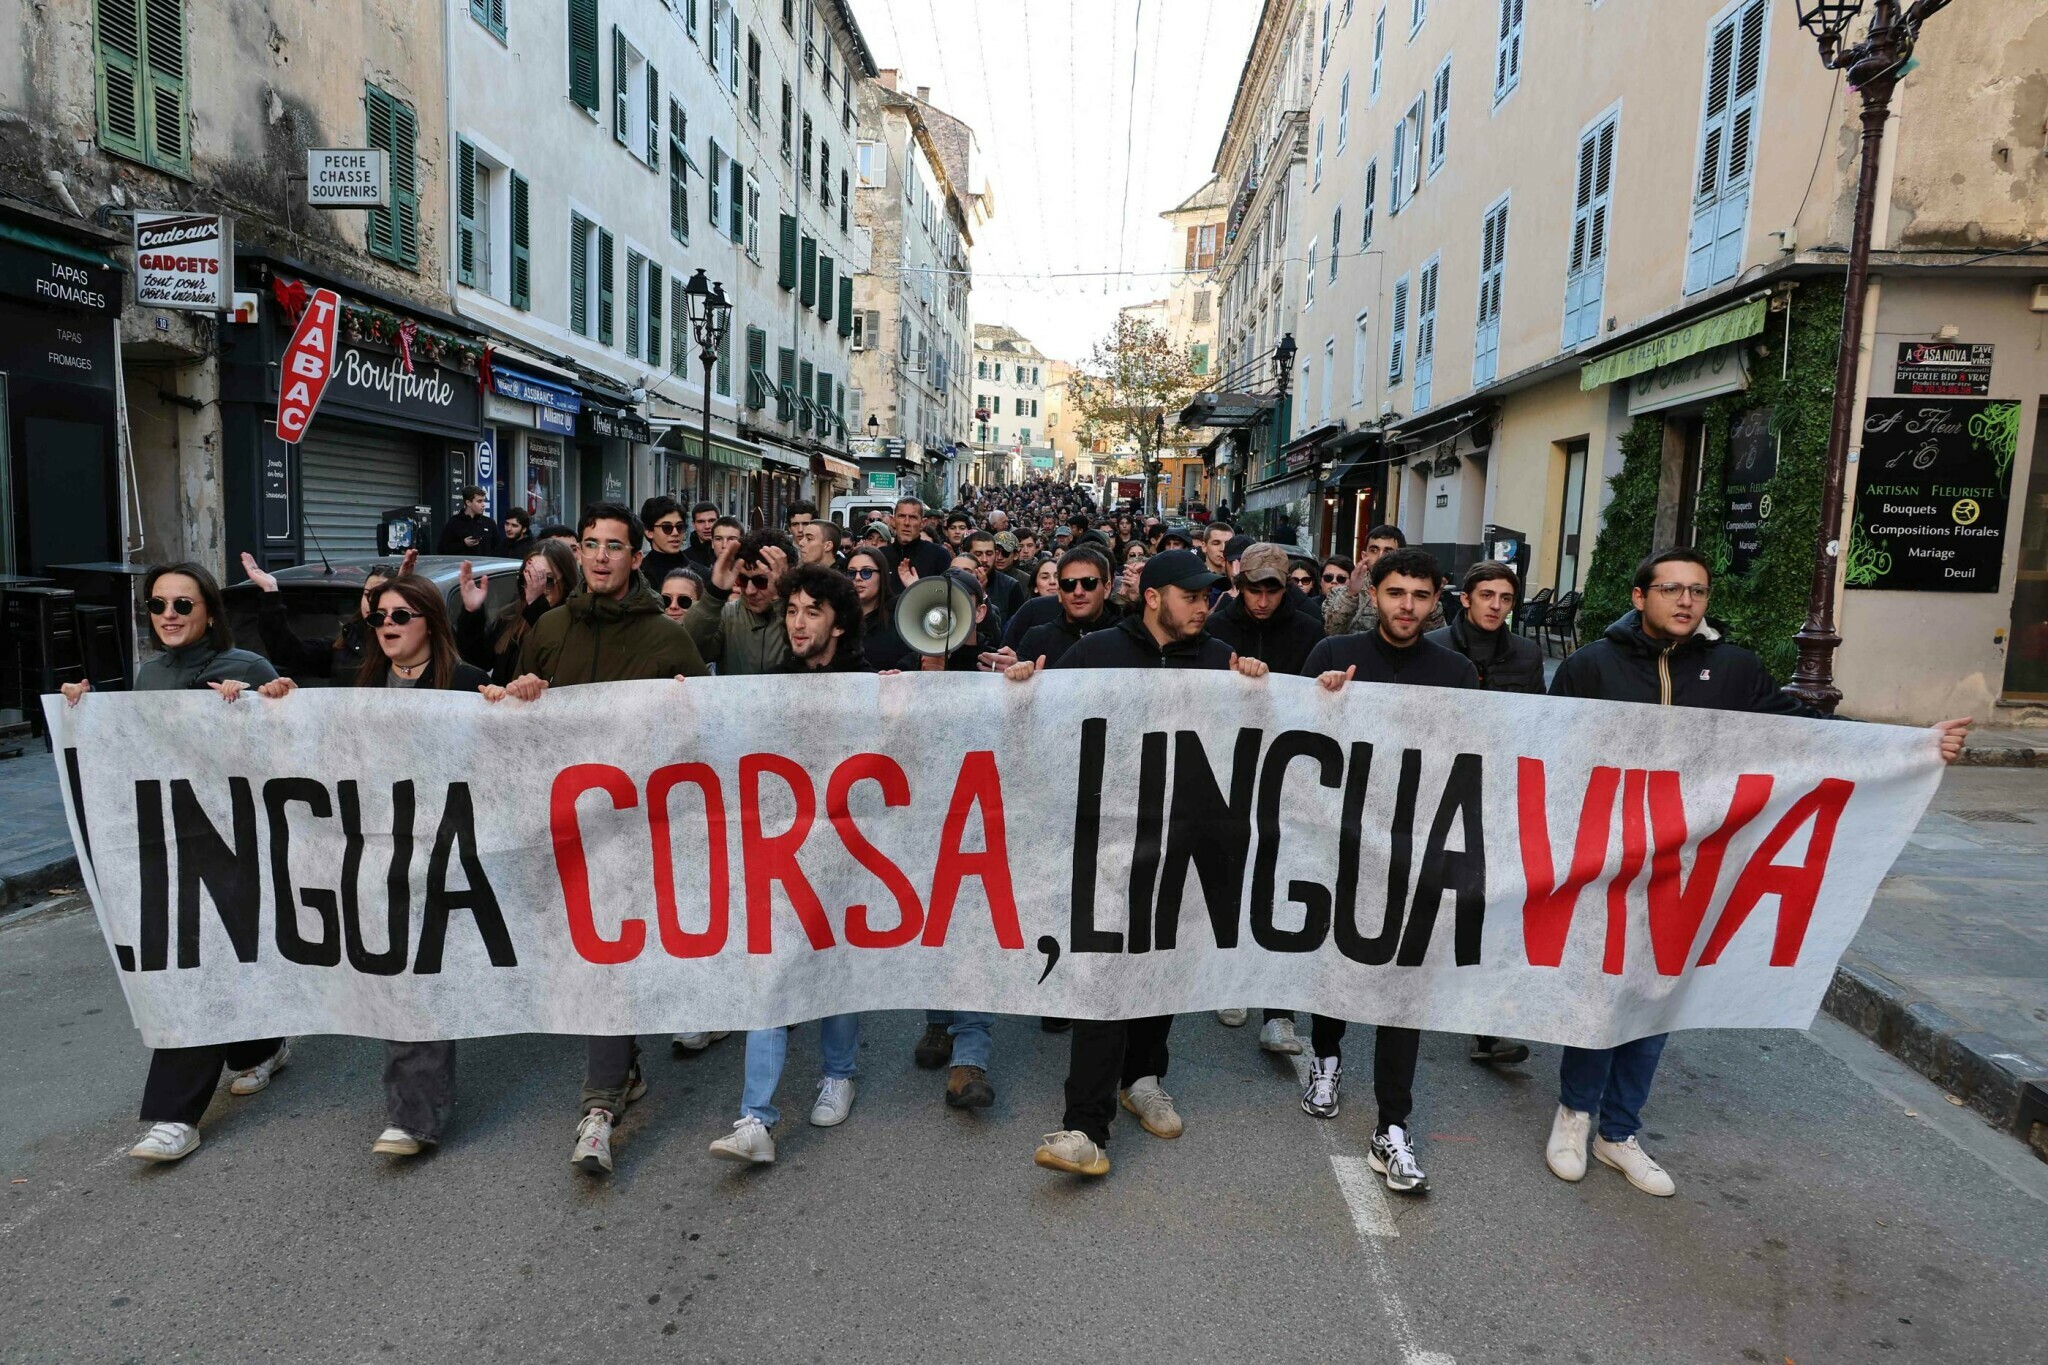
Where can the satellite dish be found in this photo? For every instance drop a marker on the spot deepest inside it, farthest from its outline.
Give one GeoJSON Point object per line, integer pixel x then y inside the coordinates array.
{"type": "Point", "coordinates": [935, 616]}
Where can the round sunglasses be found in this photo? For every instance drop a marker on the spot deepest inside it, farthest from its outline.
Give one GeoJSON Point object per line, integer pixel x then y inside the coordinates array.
{"type": "Point", "coordinates": [397, 616]}
{"type": "Point", "coordinates": [183, 606]}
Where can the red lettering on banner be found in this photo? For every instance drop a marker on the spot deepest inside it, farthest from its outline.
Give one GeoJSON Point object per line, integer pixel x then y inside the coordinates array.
{"type": "Point", "coordinates": [1635, 850]}
{"type": "Point", "coordinates": [770, 860]}
{"type": "Point", "coordinates": [1678, 904]}
{"type": "Point", "coordinates": [886, 773]}
{"type": "Point", "coordinates": [677, 941]}
{"type": "Point", "coordinates": [1796, 885]}
{"type": "Point", "coordinates": [574, 868]}
{"type": "Point", "coordinates": [1547, 909]}
{"type": "Point", "coordinates": [979, 782]}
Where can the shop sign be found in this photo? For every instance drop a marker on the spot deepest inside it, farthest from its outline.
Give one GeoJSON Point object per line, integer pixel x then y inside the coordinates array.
{"type": "Point", "coordinates": [1951, 368]}
{"type": "Point", "coordinates": [498, 409]}
{"type": "Point", "coordinates": [892, 447]}
{"type": "Point", "coordinates": [1693, 379]}
{"type": "Point", "coordinates": [1934, 478]}
{"type": "Point", "coordinates": [881, 481]}
{"type": "Point", "coordinates": [549, 419]}
{"type": "Point", "coordinates": [615, 424]}
{"type": "Point", "coordinates": [277, 493]}
{"type": "Point", "coordinates": [486, 472]}
{"type": "Point", "coordinates": [57, 281]}
{"type": "Point", "coordinates": [1752, 461]}
{"type": "Point", "coordinates": [63, 348]}
{"type": "Point", "coordinates": [185, 261]}
{"type": "Point", "coordinates": [307, 366]}
{"type": "Point", "coordinates": [375, 384]}
{"type": "Point", "coordinates": [524, 388]}
{"type": "Point", "coordinates": [348, 178]}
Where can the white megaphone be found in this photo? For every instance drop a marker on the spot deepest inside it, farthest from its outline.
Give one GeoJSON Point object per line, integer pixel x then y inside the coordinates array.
{"type": "Point", "coordinates": [935, 616]}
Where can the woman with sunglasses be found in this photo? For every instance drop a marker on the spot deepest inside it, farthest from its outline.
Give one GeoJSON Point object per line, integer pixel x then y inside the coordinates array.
{"type": "Point", "coordinates": [881, 643]}
{"type": "Point", "coordinates": [546, 577]}
{"type": "Point", "coordinates": [295, 657]}
{"type": "Point", "coordinates": [414, 648]}
{"type": "Point", "coordinates": [680, 589]}
{"type": "Point", "coordinates": [186, 615]}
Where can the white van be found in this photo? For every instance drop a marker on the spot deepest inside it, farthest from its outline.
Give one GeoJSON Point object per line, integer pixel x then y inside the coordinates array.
{"type": "Point", "coordinates": [855, 511]}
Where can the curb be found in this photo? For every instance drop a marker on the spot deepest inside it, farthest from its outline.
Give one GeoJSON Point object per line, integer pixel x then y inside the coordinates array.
{"type": "Point", "coordinates": [1999, 1081]}
{"type": "Point", "coordinates": [2002, 758]}
{"type": "Point", "coordinates": [19, 888]}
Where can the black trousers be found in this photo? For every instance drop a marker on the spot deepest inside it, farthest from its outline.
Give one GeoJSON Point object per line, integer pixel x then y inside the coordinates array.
{"type": "Point", "coordinates": [419, 1087]}
{"type": "Point", "coordinates": [1393, 1064]}
{"type": "Point", "coordinates": [1109, 1054]}
{"type": "Point", "coordinates": [182, 1079]}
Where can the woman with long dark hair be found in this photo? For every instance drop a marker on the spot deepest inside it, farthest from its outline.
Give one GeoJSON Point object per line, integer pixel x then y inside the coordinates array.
{"type": "Point", "coordinates": [189, 622]}
{"type": "Point", "coordinates": [881, 644]}
{"type": "Point", "coordinates": [547, 577]}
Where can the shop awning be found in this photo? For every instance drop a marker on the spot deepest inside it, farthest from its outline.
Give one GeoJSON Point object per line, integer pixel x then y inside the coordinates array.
{"type": "Point", "coordinates": [1277, 493]}
{"type": "Point", "coordinates": [774, 454]}
{"type": "Point", "coordinates": [838, 468]}
{"type": "Point", "coordinates": [51, 245]}
{"type": "Point", "coordinates": [690, 445]}
{"type": "Point", "coordinates": [1739, 323]}
{"type": "Point", "coordinates": [1227, 409]}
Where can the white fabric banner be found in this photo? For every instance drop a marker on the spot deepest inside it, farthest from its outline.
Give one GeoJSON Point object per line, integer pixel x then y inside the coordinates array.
{"type": "Point", "coordinates": [734, 853]}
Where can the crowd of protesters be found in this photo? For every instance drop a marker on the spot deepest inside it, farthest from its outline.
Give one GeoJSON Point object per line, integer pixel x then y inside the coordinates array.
{"type": "Point", "coordinates": [666, 592]}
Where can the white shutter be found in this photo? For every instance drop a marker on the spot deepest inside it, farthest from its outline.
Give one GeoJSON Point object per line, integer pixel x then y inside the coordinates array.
{"type": "Point", "coordinates": [1397, 335]}
{"type": "Point", "coordinates": [1586, 270]}
{"type": "Point", "coordinates": [1507, 60]}
{"type": "Point", "coordinates": [349, 476]}
{"type": "Point", "coordinates": [1425, 334]}
{"type": "Point", "coordinates": [1372, 188]}
{"type": "Point", "coordinates": [1399, 160]}
{"type": "Point", "coordinates": [1733, 91]}
{"type": "Point", "coordinates": [1440, 117]}
{"type": "Point", "coordinates": [1379, 51]}
{"type": "Point", "coordinates": [1493, 252]}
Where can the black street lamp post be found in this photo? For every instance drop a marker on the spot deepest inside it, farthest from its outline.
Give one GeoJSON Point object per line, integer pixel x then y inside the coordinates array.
{"type": "Point", "coordinates": [1874, 67]}
{"type": "Point", "coordinates": [710, 323]}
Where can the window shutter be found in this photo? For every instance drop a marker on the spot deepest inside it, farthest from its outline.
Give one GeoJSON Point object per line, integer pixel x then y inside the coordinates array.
{"type": "Point", "coordinates": [465, 214]}
{"type": "Point", "coordinates": [1727, 145]}
{"type": "Point", "coordinates": [1372, 194]}
{"type": "Point", "coordinates": [1440, 117]}
{"type": "Point", "coordinates": [653, 314]}
{"type": "Point", "coordinates": [394, 233]}
{"type": "Point", "coordinates": [634, 264]}
{"type": "Point", "coordinates": [522, 243]}
{"type": "Point", "coordinates": [846, 305]}
{"type": "Point", "coordinates": [1399, 158]}
{"type": "Point", "coordinates": [1493, 250]}
{"type": "Point", "coordinates": [120, 76]}
{"type": "Point", "coordinates": [1425, 335]}
{"type": "Point", "coordinates": [579, 275]}
{"type": "Point", "coordinates": [1586, 270]}
{"type": "Point", "coordinates": [678, 173]}
{"type": "Point", "coordinates": [653, 117]}
{"type": "Point", "coordinates": [823, 402]}
{"type": "Point", "coordinates": [1336, 240]}
{"type": "Point", "coordinates": [678, 325]}
{"type": "Point", "coordinates": [1397, 337]}
{"type": "Point", "coordinates": [1507, 60]}
{"type": "Point", "coordinates": [489, 13]}
{"type": "Point", "coordinates": [622, 103]}
{"type": "Point", "coordinates": [807, 287]}
{"type": "Point", "coordinates": [583, 53]}
{"type": "Point", "coordinates": [803, 396]}
{"type": "Point", "coordinates": [785, 384]}
{"type": "Point", "coordinates": [725, 365]}
{"type": "Point", "coordinates": [164, 36]}
{"type": "Point", "coordinates": [757, 368]}
{"type": "Point", "coordinates": [736, 207]}
{"type": "Point", "coordinates": [604, 287]}
{"type": "Point", "coordinates": [825, 296]}
{"type": "Point", "coordinates": [785, 274]}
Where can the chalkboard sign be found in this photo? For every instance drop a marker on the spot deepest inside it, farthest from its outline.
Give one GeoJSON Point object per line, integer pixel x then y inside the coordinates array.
{"type": "Point", "coordinates": [1934, 477]}
{"type": "Point", "coordinates": [1752, 460]}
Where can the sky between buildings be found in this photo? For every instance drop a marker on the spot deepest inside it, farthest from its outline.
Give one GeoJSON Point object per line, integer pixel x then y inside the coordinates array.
{"type": "Point", "coordinates": [1093, 117]}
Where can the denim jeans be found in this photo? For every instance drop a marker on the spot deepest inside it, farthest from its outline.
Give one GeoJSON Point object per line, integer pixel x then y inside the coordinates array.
{"type": "Point", "coordinates": [768, 1049]}
{"type": "Point", "coordinates": [970, 1031]}
{"type": "Point", "coordinates": [1612, 1082]}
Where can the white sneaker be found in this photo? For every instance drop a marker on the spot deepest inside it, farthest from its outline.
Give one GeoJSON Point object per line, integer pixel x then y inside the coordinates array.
{"type": "Point", "coordinates": [1232, 1018]}
{"type": "Point", "coordinates": [1154, 1107]}
{"type": "Point", "coordinates": [1565, 1153]}
{"type": "Point", "coordinates": [1319, 1096]}
{"type": "Point", "coordinates": [697, 1042]}
{"type": "Point", "coordinates": [1393, 1157]}
{"type": "Point", "coordinates": [749, 1140]}
{"type": "Point", "coordinates": [835, 1102]}
{"type": "Point", "coordinates": [166, 1142]}
{"type": "Point", "coordinates": [395, 1141]}
{"type": "Point", "coordinates": [1278, 1036]}
{"type": "Point", "coordinates": [1071, 1151]}
{"type": "Point", "coordinates": [1632, 1161]}
{"type": "Point", "coordinates": [256, 1077]}
{"type": "Point", "coordinates": [593, 1151]}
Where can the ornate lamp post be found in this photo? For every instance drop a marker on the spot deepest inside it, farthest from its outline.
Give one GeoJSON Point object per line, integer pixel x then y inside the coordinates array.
{"type": "Point", "coordinates": [1153, 463]}
{"type": "Point", "coordinates": [710, 323]}
{"type": "Point", "coordinates": [1874, 67]}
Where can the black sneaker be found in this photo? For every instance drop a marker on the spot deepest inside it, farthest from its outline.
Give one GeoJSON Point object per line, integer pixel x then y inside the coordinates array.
{"type": "Point", "coordinates": [1490, 1051]}
{"type": "Point", "coordinates": [935, 1049]}
{"type": "Point", "coordinates": [1393, 1158]}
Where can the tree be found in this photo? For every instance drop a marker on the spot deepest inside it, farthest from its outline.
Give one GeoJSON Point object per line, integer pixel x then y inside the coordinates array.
{"type": "Point", "coordinates": [1134, 381]}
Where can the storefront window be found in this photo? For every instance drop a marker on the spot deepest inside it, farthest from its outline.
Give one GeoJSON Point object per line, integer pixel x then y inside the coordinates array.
{"type": "Point", "coordinates": [544, 486]}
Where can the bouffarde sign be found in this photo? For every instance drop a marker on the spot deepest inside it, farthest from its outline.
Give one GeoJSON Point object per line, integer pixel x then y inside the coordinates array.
{"type": "Point", "coordinates": [185, 260]}
{"type": "Point", "coordinates": [662, 856]}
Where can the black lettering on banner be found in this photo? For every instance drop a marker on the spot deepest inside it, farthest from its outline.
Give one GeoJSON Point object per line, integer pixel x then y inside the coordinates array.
{"type": "Point", "coordinates": [1357, 778]}
{"type": "Point", "coordinates": [1210, 834]}
{"type": "Point", "coordinates": [1461, 871]}
{"type": "Point", "coordinates": [279, 793]}
{"type": "Point", "coordinates": [1313, 897]}
{"type": "Point", "coordinates": [1082, 935]}
{"type": "Point", "coordinates": [398, 921]}
{"type": "Point", "coordinates": [458, 832]}
{"type": "Point", "coordinates": [1378, 950]}
{"type": "Point", "coordinates": [1145, 847]}
{"type": "Point", "coordinates": [153, 868]}
{"type": "Point", "coordinates": [230, 874]}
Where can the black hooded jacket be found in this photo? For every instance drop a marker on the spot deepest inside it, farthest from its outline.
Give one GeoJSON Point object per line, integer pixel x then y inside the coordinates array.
{"type": "Point", "coordinates": [1054, 638]}
{"type": "Point", "coordinates": [1128, 644]}
{"type": "Point", "coordinates": [1281, 641]}
{"type": "Point", "coordinates": [1701, 670]}
{"type": "Point", "coordinates": [1507, 662]}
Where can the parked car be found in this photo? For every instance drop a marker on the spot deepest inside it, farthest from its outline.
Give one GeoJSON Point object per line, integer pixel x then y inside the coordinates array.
{"type": "Point", "coordinates": [319, 597]}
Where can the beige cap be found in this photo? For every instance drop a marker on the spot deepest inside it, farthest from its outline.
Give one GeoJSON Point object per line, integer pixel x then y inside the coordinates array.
{"type": "Point", "coordinates": [1263, 563]}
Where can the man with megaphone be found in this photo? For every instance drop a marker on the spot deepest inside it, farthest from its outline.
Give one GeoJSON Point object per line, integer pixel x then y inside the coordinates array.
{"type": "Point", "coordinates": [1124, 1059]}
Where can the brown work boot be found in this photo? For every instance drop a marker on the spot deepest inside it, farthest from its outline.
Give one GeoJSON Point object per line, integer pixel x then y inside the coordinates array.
{"type": "Point", "coordinates": [968, 1088]}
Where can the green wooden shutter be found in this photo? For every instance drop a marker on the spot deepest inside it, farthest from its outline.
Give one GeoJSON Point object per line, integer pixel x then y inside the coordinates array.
{"type": "Point", "coordinates": [678, 173]}
{"type": "Point", "coordinates": [803, 396]}
{"type": "Point", "coordinates": [846, 305]}
{"type": "Point", "coordinates": [489, 13]}
{"type": "Point", "coordinates": [736, 209]}
{"type": "Point", "coordinates": [678, 323]}
{"type": "Point", "coordinates": [465, 214]}
{"type": "Point", "coordinates": [824, 399]}
{"type": "Point", "coordinates": [579, 275]}
{"type": "Point", "coordinates": [522, 243]}
{"type": "Point", "coordinates": [725, 364]}
{"type": "Point", "coordinates": [786, 272]}
{"type": "Point", "coordinates": [653, 313]}
{"type": "Point", "coordinates": [634, 263]}
{"type": "Point", "coordinates": [583, 53]}
{"type": "Point", "coordinates": [757, 368]}
{"type": "Point", "coordinates": [785, 384]}
{"type": "Point", "coordinates": [604, 286]}
{"type": "Point", "coordinates": [390, 126]}
{"type": "Point", "coordinates": [119, 49]}
{"type": "Point", "coordinates": [164, 46]}
{"type": "Point", "coordinates": [622, 103]}
{"type": "Point", "coordinates": [825, 295]}
{"type": "Point", "coordinates": [807, 289]}
{"type": "Point", "coordinates": [653, 118]}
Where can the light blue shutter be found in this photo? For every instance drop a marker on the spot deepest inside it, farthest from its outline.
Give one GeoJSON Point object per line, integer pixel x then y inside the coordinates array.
{"type": "Point", "coordinates": [1372, 193]}
{"type": "Point", "coordinates": [1493, 251]}
{"type": "Point", "coordinates": [1507, 58]}
{"type": "Point", "coordinates": [1586, 272]}
{"type": "Point", "coordinates": [1440, 117]}
{"type": "Point", "coordinates": [1400, 156]}
{"type": "Point", "coordinates": [1734, 86]}
{"type": "Point", "coordinates": [1425, 335]}
{"type": "Point", "coordinates": [1397, 335]}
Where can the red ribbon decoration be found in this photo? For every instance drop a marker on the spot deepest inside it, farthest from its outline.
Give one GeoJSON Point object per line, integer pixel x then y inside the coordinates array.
{"type": "Point", "coordinates": [407, 330]}
{"type": "Point", "coordinates": [291, 296]}
{"type": "Point", "coordinates": [483, 370]}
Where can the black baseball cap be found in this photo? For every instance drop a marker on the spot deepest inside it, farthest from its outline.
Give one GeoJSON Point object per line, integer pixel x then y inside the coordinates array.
{"type": "Point", "coordinates": [1178, 569]}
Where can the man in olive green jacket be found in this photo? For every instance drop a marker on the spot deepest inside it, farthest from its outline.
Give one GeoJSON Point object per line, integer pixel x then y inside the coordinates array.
{"type": "Point", "coordinates": [742, 631]}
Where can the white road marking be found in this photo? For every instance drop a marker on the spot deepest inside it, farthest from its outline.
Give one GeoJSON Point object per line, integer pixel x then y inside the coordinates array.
{"type": "Point", "coordinates": [57, 1191]}
{"type": "Point", "coordinates": [1360, 1185]}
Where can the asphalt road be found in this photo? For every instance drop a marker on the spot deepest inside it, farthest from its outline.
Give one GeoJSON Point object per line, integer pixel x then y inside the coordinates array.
{"type": "Point", "coordinates": [1831, 1207]}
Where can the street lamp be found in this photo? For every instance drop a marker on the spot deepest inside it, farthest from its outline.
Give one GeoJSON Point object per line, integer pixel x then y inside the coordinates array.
{"type": "Point", "coordinates": [1153, 462]}
{"type": "Point", "coordinates": [1874, 67]}
{"type": "Point", "coordinates": [710, 323]}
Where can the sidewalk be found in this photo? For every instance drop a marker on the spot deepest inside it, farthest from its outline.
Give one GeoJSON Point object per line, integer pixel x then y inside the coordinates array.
{"type": "Point", "coordinates": [35, 841]}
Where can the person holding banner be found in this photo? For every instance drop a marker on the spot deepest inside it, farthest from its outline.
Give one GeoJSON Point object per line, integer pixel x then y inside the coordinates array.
{"type": "Point", "coordinates": [1124, 1060]}
{"type": "Point", "coordinates": [612, 631]}
{"type": "Point", "coordinates": [1663, 653]}
{"type": "Point", "coordinates": [187, 616]}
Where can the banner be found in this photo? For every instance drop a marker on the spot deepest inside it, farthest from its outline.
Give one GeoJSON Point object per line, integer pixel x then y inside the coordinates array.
{"type": "Point", "coordinates": [735, 853]}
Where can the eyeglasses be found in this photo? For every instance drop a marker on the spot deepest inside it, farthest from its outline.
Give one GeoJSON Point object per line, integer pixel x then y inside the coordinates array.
{"type": "Point", "coordinates": [677, 599]}
{"type": "Point", "coordinates": [669, 528]}
{"type": "Point", "coordinates": [757, 581]}
{"type": "Point", "coordinates": [862, 575]}
{"type": "Point", "coordinates": [609, 547]}
{"type": "Point", "coordinates": [184, 606]}
{"type": "Point", "coordinates": [1671, 592]}
{"type": "Point", "coordinates": [1336, 578]}
{"type": "Point", "coordinates": [1088, 584]}
{"type": "Point", "coordinates": [1300, 579]}
{"type": "Point", "coordinates": [397, 616]}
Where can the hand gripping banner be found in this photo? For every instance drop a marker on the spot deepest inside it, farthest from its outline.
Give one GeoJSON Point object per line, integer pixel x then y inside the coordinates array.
{"type": "Point", "coordinates": [735, 853]}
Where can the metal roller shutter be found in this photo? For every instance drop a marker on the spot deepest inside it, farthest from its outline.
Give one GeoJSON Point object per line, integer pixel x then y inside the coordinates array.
{"type": "Point", "coordinates": [350, 474]}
